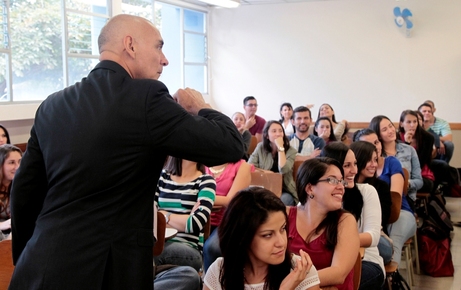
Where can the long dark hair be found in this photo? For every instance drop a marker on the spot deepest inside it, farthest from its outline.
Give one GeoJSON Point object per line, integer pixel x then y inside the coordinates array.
{"type": "Point", "coordinates": [332, 137]}
{"type": "Point", "coordinates": [363, 154]}
{"type": "Point", "coordinates": [246, 212]}
{"type": "Point", "coordinates": [352, 199]}
{"type": "Point", "coordinates": [267, 143]}
{"type": "Point", "coordinates": [8, 141]}
{"type": "Point", "coordinates": [174, 166]}
{"type": "Point", "coordinates": [309, 172]}
{"type": "Point", "coordinates": [333, 118]}
{"type": "Point", "coordinates": [5, 151]}
{"type": "Point", "coordinates": [424, 140]}
{"type": "Point", "coordinates": [375, 126]}
{"type": "Point", "coordinates": [281, 107]}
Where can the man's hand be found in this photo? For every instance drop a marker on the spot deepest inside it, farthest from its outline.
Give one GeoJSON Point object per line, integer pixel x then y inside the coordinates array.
{"type": "Point", "coordinates": [315, 153]}
{"type": "Point", "coordinates": [191, 100]}
{"type": "Point", "coordinates": [442, 148]}
{"type": "Point", "coordinates": [250, 122]}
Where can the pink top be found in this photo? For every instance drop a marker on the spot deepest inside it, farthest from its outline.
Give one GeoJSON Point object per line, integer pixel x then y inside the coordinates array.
{"type": "Point", "coordinates": [223, 185]}
{"type": "Point", "coordinates": [321, 257]}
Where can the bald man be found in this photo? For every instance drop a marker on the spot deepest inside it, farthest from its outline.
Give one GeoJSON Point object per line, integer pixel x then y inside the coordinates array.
{"type": "Point", "coordinates": [81, 203]}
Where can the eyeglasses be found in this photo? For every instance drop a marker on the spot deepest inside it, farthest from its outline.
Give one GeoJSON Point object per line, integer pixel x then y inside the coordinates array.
{"type": "Point", "coordinates": [252, 105]}
{"type": "Point", "coordinates": [333, 181]}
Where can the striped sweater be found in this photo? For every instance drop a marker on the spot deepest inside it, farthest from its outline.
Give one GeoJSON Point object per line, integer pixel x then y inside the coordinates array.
{"type": "Point", "coordinates": [180, 198]}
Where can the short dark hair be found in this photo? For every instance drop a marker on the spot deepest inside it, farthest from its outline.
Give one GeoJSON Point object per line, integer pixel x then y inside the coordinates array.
{"type": "Point", "coordinates": [174, 166]}
{"type": "Point", "coordinates": [426, 105]}
{"type": "Point", "coordinates": [249, 98]}
{"type": "Point", "coordinates": [246, 212]}
{"type": "Point", "coordinates": [302, 109]}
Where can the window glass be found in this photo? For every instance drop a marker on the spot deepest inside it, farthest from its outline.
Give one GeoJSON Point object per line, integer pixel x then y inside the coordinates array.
{"type": "Point", "coordinates": [87, 5]}
{"type": "Point", "coordinates": [80, 68]}
{"type": "Point", "coordinates": [194, 21]}
{"type": "Point", "coordinates": [195, 77]}
{"type": "Point", "coordinates": [4, 96]}
{"type": "Point", "coordinates": [83, 32]}
{"type": "Point", "coordinates": [194, 48]}
{"type": "Point", "coordinates": [142, 8]}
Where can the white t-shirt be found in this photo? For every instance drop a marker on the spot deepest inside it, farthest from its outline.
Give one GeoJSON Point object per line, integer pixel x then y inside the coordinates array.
{"type": "Point", "coordinates": [212, 277]}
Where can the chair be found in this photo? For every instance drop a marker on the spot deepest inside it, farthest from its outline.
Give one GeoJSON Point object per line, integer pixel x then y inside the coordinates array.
{"type": "Point", "coordinates": [6, 264]}
{"type": "Point", "coordinates": [161, 227]}
{"type": "Point", "coordinates": [358, 269]}
{"type": "Point", "coordinates": [295, 168]}
{"type": "Point", "coordinates": [396, 198]}
{"type": "Point", "coordinates": [269, 180]}
{"type": "Point", "coordinates": [252, 146]}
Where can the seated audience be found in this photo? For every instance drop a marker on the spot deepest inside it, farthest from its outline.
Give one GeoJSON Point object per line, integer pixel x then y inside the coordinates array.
{"type": "Point", "coordinates": [239, 121]}
{"type": "Point", "coordinates": [185, 195]}
{"type": "Point", "coordinates": [286, 117]}
{"type": "Point", "coordinates": [320, 227]}
{"type": "Point", "coordinates": [275, 154]}
{"type": "Point", "coordinates": [363, 202]}
{"type": "Point", "coordinates": [390, 171]}
{"type": "Point", "coordinates": [10, 159]}
{"type": "Point", "coordinates": [405, 227]}
{"type": "Point", "coordinates": [254, 123]}
{"type": "Point", "coordinates": [253, 241]}
{"type": "Point", "coordinates": [441, 128]}
{"type": "Point", "coordinates": [412, 134]}
{"type": "Point", "coordinates": [174, 277]}
{"type": "Point", "coordinates": [340, 128]}
{"type": "Point", "coordinates": [307, 145]}
{"type": "Point", "coordinates": [230, 178]}
{"type": "Point", "coordinates": [323, 128]}
{"type": "Point", "coordinates": [4, 136]}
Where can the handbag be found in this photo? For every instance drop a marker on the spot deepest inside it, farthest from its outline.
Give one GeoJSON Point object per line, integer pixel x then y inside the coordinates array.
{"type": "Point", "coordinates": [435, 256]}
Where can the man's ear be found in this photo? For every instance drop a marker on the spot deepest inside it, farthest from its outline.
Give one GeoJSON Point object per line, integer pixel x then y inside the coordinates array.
{"type": "Point", "coordinates": [128, 44]}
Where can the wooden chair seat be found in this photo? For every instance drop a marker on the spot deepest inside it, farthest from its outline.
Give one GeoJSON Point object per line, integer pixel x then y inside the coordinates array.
{"type": "Point", "coordinates": [6, 264]}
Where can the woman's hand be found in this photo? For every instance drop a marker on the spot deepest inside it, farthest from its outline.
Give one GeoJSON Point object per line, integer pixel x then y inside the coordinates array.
{"type": "Point", "coordinates": [5, 225]}
{"type": "Point", "coordinates": [279, 142]}
{"type": "Point", "coordinates": [409, 135]}
{"type": "Point", "coordinates": [299, 273]}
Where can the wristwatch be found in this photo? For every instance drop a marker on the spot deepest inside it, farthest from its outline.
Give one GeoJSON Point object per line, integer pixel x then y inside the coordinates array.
{"type": "Point", "coordinates": [281, 149]}
{"type": "Point", "coordinates": [167, 217]}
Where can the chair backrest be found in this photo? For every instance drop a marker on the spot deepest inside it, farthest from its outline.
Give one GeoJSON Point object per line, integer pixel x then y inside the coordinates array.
{"type": "Point", "coordinates": [6, 264]}
{"type": "Point", "coordinates": [396, 198]}
{"type": "Point", "coordinates": [295, 168]}
{"type": "Point", "coordinates": [252, 146]}
{"type": "Point", "coordinates": [406, 177]}
{"type": "Point", "coordinates": [207, 229]}
{"type": "Point", "coordinates": [269, 180]}
{"type": "Point", "coordinates": [357, 271]}
{"type": "Point", "coordinates": [161, 227]}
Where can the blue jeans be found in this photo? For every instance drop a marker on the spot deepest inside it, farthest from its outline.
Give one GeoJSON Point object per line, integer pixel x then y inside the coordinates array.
{"type": "Point", "coordinates": [211, 249]}
{"type": "Point", "coordinates": [177, 278]}
{"type": "Point", "coordinates": [179, 254]}
{"type": "Point", "coordinates": [385, 249]}
{"type": "Point", "coordinates": [449, 148]}
{"type": "Point", "coordinates": [287, 199]}
{"type": "Point", "coordinates": [400, 231]}
{"type": "Point", "coordinates": [372, 276]}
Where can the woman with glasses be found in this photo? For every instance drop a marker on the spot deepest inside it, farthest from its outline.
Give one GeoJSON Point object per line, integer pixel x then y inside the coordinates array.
{"type": "Point", "coordinates": [362, 201]}
{"type": "Point", "coordinates": [320, 226]}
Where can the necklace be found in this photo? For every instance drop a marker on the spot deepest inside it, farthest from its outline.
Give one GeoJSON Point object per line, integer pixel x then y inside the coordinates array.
{"type": "Point", "coordinates": [217, 171]}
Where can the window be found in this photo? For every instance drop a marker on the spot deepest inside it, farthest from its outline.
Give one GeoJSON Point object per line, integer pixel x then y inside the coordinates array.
{"type": "Point", "coordinates": [46, 48]}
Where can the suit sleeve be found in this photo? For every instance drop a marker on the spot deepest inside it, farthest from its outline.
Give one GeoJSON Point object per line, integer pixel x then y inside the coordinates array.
{"type": "Point", "coordinates": [210, 138]}
{"type": "Point", "coordinates": [27, 195]}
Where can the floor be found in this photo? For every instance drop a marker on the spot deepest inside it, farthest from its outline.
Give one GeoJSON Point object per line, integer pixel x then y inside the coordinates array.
{"type": "Point", "coordinates": [425, 282]}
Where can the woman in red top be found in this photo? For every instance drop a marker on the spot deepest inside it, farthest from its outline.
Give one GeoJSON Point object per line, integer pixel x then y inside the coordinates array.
{"type": "Point", "coordinates": [320, 227]}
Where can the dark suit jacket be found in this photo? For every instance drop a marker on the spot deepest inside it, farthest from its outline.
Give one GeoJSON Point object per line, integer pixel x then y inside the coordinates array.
{"type": "Point", "coordinates": [82, 200]}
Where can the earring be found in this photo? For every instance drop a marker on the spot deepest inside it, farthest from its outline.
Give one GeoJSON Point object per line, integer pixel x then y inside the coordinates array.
{"type": "Point", "coordinates": [311, 196]}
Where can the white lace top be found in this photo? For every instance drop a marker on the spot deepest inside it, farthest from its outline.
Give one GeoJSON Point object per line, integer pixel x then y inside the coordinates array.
{"type": "Point", "coordinates": [212, 278]}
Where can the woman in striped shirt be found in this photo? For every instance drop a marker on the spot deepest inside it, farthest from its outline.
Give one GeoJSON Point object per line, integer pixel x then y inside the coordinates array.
{"type": "Point", "coordinates": [185, 195]}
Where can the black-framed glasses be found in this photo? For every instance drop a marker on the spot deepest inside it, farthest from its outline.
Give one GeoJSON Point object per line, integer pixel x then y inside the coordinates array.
{"type": "Point", "coordinates": [333, 181]}
{"type": "Point", "coordinates": [252, 105]}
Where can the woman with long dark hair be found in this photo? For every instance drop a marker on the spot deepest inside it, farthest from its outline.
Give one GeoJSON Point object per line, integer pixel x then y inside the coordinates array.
{"type": "Point", "coordinates": [324, 129]}
{"type": "Point", "coordinates": [185, 196]}
{"type": "Point", "coordinates": [4, 135]}
{"type": "Point", "coordinates": [10, 159]}
{"type": "Point", "coordinates": [320, 226]}
{"type": "Point", "coordinates": [362, 201]}
{"type": "Point", "coordinates": [253, 241]}
{"type": "Point", "coordinates": [412, 134]}
{"type": "Point", "coordinates": [275, 154]}
{"type": "Point", "coordinates": [340, 128]}
{"type": "Point", "coordinates": [286, 115]}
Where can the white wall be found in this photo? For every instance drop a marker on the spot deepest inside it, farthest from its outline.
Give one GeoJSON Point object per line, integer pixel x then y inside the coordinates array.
{"type": "Point", "coordinates": [346, 53]}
